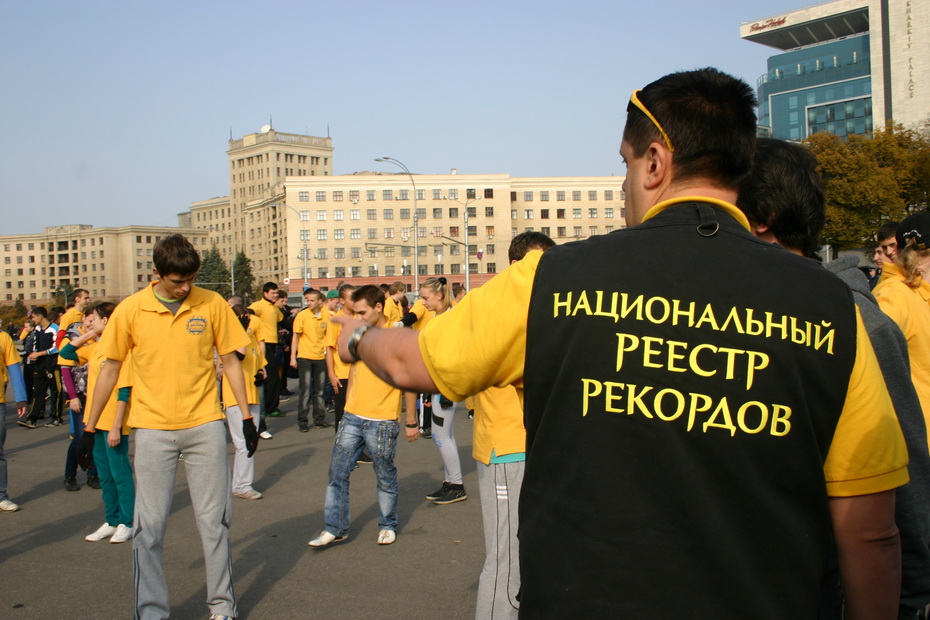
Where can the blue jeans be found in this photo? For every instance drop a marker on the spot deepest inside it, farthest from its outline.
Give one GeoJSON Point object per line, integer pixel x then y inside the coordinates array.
{"type": "Point", "coordinates": [312, 377]}
{"type": "Point", "coordinates": [3, 494]}
{"type": "Point", "coordinates": [354, 435]}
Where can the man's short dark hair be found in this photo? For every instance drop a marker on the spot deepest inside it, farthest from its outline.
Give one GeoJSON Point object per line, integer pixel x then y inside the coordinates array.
{"type": "Point", "coordinates": [710, 119]}
{"type": "Point", "coordinates": [78, 292]}
{"type": "Point", "coordinates": [526, 241]}
{"type": "Point", "coordinates": [313, 291]}
{"type": "Point", "coordinates": [269, 286]}
{"type": "Point", "coordinates": [175, 255]}
{"type": "Point", "coordinates": [40, 311]}
{"type": "Point", "coordinates": [888, 229]}
{"type": "Point", "coordinates": [282, 294]}
{"type": "Point", "coordinates": [785, 193]}
{"type": "Point", "coordinates": [370, 293]}
{"type": "Point", "coordinates": [345, 290]}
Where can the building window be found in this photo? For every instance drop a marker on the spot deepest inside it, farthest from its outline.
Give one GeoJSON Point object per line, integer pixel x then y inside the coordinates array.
{"type": "Point", "coordinates": [339, 253]}
{"type": "Point", "coordinates": [453, 213]}
{"type": "Point", "coordinates": [592, 194]}
{"type": "Point", "coordinates": [321, 216]}
{"type": "Point", "coordinates": [301, 196]}
{"type": "Point", "coordinates": [356, 252]}
{"type": "Point", "coordinates": [339, 234]}
{"type": "Point", "coordinates": [437, 194]}
{"type": "Point", "coordinates": [403, 194]}
{"type": "Point", "coordinates": [608, 212]}
{"type": "Point", "coordinates": [321, 254]}
{"type": "Point", "coordinates": [576, 195]}
{"type": "Point", "coordinates": [489, 232]}
{"type": "Point", "coordinates": [387, 194]}
{"type": "Point", "coordinates": [577, 231]}
{"type": "Point", "coordinates": [453, 194]}
{"type": "Point", "coordinates": [405, 214]}
{"type": "Point", "coordinates": [544, 214]}
{"type": "Point", "coordinates": [489, 211]}
{"type": "Point", "coordinates": [576, 214]}
{"type": "Point", "coordinates": [544, 196]}
{"type": "Point", "coordinates": [338, 215]}
{"type": "Point", "coordinates": [528, 214]}
{"type": "Point", "coordinates": [421, 194]}
{"type": "Point", "coordinates": [321, 196]}
{"type": "Point", "coordinates": [488, 192]}
{"type": "Point", "coordinates": [322, 272]}
{"type": "Point", "coordinates": [369, 194]}
{"type": "Point", "coordinates": [320, 234]}
{"type": "Point", "coordinates": [561, 231]}
{"type": "Point", "coordinates": [592, 212]}
{"type": "Point", "coordinates": [305, 235]}
{"type": "Point", "coordinates": [560, 214]}
{"type": "Point", "coordinates": [355, 214]}
{"type": "Point", "coordinates": [454, 231]}
{"type": "Point", "coordinates": [389, 270]}
{"type": "Point", "coordinates": [437, 213]}
{"type": "Point", "coordinates": [608, 194]}
{"type": "Point", "coordinates": [492, 267]}
{"type": "Point", "coordinates": [340, 272]}
{"type": "Point", "coordinates": [355, 233]}
{"type": "Point", "coordinates": [560, 196]}
{"type": "Point", "coordinates": [371, 214]}
{"type": "Point", "coordinates": [592, 230]}
{"type": "Point", "coordinates": [372, 233]}
{"type": "Point", "coordinates": [388, 233]}
{"type": "Point", "coordinates": [527, 196]}
{"type": "Point", "coordinates": [387, 214]}
{"type": "Point", "coordinates": [513, 214]}
{"type": "Point", "coordinates": [337, 196]}
{"type": "Point", "coordinates": [353, 195]}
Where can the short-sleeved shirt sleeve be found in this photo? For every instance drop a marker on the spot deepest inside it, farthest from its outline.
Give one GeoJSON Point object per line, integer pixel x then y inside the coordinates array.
{"type": "Point", "coordinates": [465, 352]}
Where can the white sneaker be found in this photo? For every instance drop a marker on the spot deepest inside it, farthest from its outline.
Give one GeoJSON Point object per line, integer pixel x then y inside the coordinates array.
{"type": "Point", "coordinates": [8, 506]}
{"type": "Point", "coordinates": [326, 538]}
{"type": "Point", "coordinates": [265, 435]}
{"type": "Point", "coordinates": [123, 533]}
{"type": "Point", "coordinates": [386, 537]}
{"type": "Point", "coordinates": [249, 494]}
{"type": "Point", "coordinates": [104, 531]}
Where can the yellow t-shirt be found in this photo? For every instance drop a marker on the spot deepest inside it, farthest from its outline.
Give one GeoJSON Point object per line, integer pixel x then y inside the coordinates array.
{"type": "Point", "coordinates": [332, 338]}
{"type": "Point", "coordinates": [498, 424]}
{"type": "Point", "coordinates": [92, 356]}
{"type": "Point", "coordinates": [172, 355]}
{"type": "Point", "coordinates": [423, 315]}
{"type": "Point", "coordinates": [392, 310]}
{"type": "Point", "coordinates": [369, 396]}
{"type": "Point", "coordinates": [312, 332]}
{"type": "Point", "coordinates": [253, 362]}
{"type": "Point", "coordinates": [270, 316]}
{"type": "Point", "coordinates": [483, 343]}
{"type": "Point", "coordinates": [70, 317]}
{"type": "Point", "coordinates": [908, 308]}
{"type": "Point", "coordinates": [10, 356]}
{"type": "Point", "coordinates": [256, 328]}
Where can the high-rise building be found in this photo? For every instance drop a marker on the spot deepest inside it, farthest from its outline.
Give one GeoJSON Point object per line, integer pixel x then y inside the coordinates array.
{"type": "Point", "coordinates": [111, 263]}
{"type": "Point", "coordinates": [845, 67]}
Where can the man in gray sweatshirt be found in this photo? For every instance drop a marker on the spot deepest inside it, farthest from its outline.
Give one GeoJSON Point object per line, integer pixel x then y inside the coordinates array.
{"type": "Point", "coordinates": [785, 203]}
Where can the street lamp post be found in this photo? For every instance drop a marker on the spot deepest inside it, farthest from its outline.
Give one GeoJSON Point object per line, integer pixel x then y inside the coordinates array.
{"type": "Point", "coordinates": [416, 220]}
{"type": "Point", "coordinates": [467, 255]}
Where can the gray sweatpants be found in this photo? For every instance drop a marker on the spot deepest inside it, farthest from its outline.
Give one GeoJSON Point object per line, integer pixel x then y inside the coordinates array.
{"type": "Point", "coordinates": [499, 487]}
{"type": "Point", "coordinates": [207, 469]}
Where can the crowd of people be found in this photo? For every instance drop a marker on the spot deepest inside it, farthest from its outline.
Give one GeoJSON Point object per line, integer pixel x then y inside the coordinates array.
{"type": "Point", "coordinates": [731, 429]}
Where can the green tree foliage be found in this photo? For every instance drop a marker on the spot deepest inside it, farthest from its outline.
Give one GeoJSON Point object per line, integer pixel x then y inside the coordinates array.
{"type": "Point", "coordinates": [14, 313]}
{"type": "Point", "coordinates": [213, 274]}
{"type": "Point", "coordinates": [870, 180]}
{"type": "Point", "coordinates": [245, 280]}
{"type": "Point", "coordinates": [62, 294]}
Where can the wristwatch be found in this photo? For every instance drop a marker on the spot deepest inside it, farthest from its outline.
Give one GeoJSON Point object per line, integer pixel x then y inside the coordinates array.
{"type": "Point", "coordinates": [355, 338]}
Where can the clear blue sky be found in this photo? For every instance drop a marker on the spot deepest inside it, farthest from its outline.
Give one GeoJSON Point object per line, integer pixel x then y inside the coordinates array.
{"type": "Point", "coordinates": [119, 112]}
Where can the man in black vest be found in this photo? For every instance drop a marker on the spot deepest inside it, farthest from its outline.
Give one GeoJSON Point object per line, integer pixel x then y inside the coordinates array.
{"type": "Point", "coordinates": [691, 434]}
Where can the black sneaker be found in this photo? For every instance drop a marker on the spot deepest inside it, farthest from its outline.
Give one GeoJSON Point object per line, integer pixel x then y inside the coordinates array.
{"type": "Point", "coordinates": [364, 459]}
{"type": "Point", "coordinates": [456, 493]}
{"type": "Point", "coordinates": [26, 423]}
{"type": "Point", "coordinates": [71, 485]}
{"type": "Point", "coordinates": [54, 423]}
{"type": "Point", "coordinates": [93, 482]}
{"type": "Point", "coordinates": [322, 425]}
{"type": "Point", "coordinates": [303, 429]}
{"type": "Point", "coordinates": [440, 492]}
{"type": "Point", "coordinates": [426, 434]}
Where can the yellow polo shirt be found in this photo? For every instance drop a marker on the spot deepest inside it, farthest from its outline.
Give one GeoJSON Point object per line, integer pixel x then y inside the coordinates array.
{"type": "Point", "coordinates": [253, 362]}
{"type": "Point", "coordinates": [312, 332]}
{"type": "Point", "coordinates": [483, 343]}
{"type": "Point", "coordinates": [392, 310]}
{"type": "Point", "coordinates": [498, 424]}
{"type": "Point", "coordinates": [909, 309]}
{"type": "Point", "coordinates": [270, 316]}
{"type": "Point", "coordinates": [331, 340]}
{"type": "Point", "coordinates": [10, 356]}
{"type": "Point", "coordinates": [423, 315]}
{"type": "Point", "coordinates": [93, 357]}
{"type": "Point", "coordinates": [369, 396]}
{"type": "Point", "coordinates": [172, 355]}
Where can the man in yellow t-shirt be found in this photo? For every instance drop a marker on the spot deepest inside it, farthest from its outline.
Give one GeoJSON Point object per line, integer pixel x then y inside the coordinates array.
{"type": "Point", "coordinates": [308, 356]}
{"type": "Point", "coordinates": [268, 310]}
{"type": "Point", "coordinates": [392, 308]}
{"type": "Point", "coordinates": [336, 369]}
{"type": "Point", "coordinates": [674, 410]}
{"type": "Point", "coordinates": [172, 328]}
{"type": "Point", "coordinates": [370, 421]}
{"type": "Point", "coordinates": [10, 371]}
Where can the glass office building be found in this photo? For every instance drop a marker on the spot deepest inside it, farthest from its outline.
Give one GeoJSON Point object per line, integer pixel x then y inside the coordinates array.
{"type": "Point", "coordinates": [845, 67]}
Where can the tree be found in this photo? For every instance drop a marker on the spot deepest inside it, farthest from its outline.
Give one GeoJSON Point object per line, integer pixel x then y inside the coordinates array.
{"type": "Point", "coordinates": [15, 314]}
{"type": "Point", "coordinates": [62, 293]}
{"type": "Point", "coordinates": [870, 180]}
{"type": "Point", "coordinates": [245, 280]}
{"type": "Point", "coordinates": [213, 274]}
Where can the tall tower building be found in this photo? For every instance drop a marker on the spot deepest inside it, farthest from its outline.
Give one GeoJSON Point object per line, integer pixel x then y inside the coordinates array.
{"type": "Point", "coordinates": [846, 67]}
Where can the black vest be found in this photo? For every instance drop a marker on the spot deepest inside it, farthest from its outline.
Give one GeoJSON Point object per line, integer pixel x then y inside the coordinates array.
{"type": "Point", "coordinates": [683, 383]}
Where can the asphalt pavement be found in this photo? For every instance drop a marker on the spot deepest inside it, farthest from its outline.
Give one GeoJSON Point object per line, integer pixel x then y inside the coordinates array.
{"type": "Point", "coordinates": [49, 571]}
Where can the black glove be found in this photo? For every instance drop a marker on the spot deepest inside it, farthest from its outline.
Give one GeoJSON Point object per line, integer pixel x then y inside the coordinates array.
{"type": "Point", "coordinates": [445, 403]}
{"type": "Point", "coordinates": [251, 435]}
{"type": "Point", "coordinates": [87, 446]}
{"type": "Point", "coordinates": [259, 378]}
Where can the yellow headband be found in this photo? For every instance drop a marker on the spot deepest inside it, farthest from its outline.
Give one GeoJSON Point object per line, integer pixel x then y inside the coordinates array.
{"type": "Point", "coordinates": [639, 104]}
